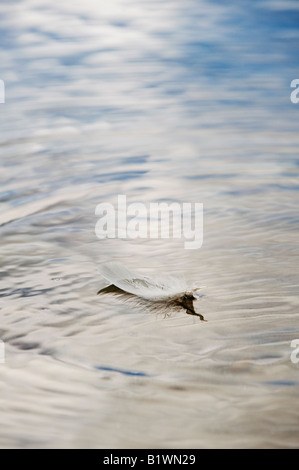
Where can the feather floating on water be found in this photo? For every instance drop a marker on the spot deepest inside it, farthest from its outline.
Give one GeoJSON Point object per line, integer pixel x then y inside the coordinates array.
{"type": "Point", "coordinates": [170, 291]}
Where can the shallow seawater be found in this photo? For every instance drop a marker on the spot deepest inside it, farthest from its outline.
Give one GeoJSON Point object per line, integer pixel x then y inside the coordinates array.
{"type": "Point", "coordinates": [158, 101]}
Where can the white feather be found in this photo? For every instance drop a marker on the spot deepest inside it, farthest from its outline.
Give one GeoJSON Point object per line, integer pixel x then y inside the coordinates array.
{"type": "Point", "coordinates": [150, 289]}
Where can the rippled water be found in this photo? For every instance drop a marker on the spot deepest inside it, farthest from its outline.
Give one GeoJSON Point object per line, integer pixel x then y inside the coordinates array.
{"type": "Point", "coordinates": [162, 100]}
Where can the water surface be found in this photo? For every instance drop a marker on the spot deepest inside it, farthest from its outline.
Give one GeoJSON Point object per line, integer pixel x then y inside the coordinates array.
{"type": "Point", "coordinates": [161, 100]}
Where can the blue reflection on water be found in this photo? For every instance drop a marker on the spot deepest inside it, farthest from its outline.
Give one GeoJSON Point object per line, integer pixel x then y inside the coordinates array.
{"type": "Point", "coordinates": [282, 383]}
{"type": "Point", "coordinates": [122, 371]}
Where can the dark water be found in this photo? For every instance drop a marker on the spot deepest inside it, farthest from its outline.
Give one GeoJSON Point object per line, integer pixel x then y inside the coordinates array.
{"type": "Point", "coordinates": [163, 100]}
